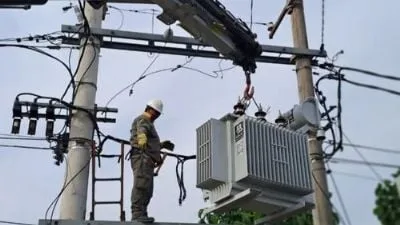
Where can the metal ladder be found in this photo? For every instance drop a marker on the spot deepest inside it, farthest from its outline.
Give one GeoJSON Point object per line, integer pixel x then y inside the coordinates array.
{"type": "Point", "coordinates": [120, 179]}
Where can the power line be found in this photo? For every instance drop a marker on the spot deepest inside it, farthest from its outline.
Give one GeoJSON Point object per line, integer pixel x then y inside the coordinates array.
{"type": "Point", "coordinates": [32, 48]}
{"type": "Point", "coordinates": [371, 73]}
{"type": "Point", "coordinates": [327, 196]}
{"type": "Point", "coordinates": [372, 87]}
{"type": "Point", "coordinates": [24, 147]}
{"type": "Point", "coordinates": [15, 223]}
{"type": "Point", "coordinates": [378, 149]}
{"type": "Point", "coordinates": [355, 175]}
{"type": "Point", "coordinates": [363, 158]}
{"type": "Point", "coordinates": [24, 138]}
{"type": "Point", "coordinates": [358, 162]}
{"type": "Point", "coordinates": [341, 202]}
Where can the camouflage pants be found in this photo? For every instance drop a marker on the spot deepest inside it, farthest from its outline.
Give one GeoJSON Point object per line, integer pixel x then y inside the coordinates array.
{"type": "Point", "coordinates": [142, 191]}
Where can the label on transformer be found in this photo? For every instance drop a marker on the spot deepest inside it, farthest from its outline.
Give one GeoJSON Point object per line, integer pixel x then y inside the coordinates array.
{"type": "Point", "coordinates": [239, 131]}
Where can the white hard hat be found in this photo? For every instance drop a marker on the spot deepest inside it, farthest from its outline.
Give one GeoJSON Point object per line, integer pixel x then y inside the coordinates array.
{"type": "Point", "coordinates": [156, 105]}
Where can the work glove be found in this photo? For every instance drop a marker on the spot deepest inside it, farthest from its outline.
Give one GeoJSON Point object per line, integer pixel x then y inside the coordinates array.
{"type": "Point", "coordinates": [168, 145]}
{"type": "Point", "coordinates": [142, 140]}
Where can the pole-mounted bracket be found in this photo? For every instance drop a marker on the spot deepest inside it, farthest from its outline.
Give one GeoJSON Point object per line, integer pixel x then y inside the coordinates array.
{"type": "Point", "coordinates": [184, 46]}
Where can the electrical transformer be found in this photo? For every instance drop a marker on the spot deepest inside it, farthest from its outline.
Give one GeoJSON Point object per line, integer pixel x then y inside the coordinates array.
{"type": "Point", "coordinates": [243, 162]}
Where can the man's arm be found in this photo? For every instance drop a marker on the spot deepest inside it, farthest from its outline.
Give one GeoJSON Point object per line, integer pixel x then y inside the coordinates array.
{"type": "Point", "coordinates": [142, 132]}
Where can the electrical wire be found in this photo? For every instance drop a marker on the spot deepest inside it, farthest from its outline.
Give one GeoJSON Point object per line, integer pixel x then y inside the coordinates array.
{"type": "Point", "coordinates": [341, 202]}
{"type": "Point", "coordinates": [338, 76]}
{"type": "Point", "coordinates": [322, 25]}
{"type": "Point", "coordinates": [181, 159]}
{"type": "Point", "coordinates": [23, 138]}
{"type": "Point", "coordinates": [37, 38]}
{"type": "Point", "coordinates": [144, 72]}
{"type": "Point", "coordinates": [327, 196]}
{"type": "Point", "coordinates": [44, 53]}
{"type": "Point", "coordinates": [355, 175]}
{"type": "Point", "coordinates": [360, 162]}
{"type": "Point", "coordinates": [222, 70]}
{"type": "Point", "coordinates": [87, 33]}
{"type": "Point", "coordinates": [141, 11]}
{"type": "Point", "coordinates": [152, 73]}
{"type": "Point", "coordinates": [363, 158]}
{"type": "Point", "coordinates": [339, 112]}
{"type": "Point", "coordinates": [251, 14]}
{"type": "Point", "coordinates": [322, 100]}
{"type": "Point", "coordinates": [122, 15]}
{"type": "Point", "coordinates": [15, 223]}
{"type": "Point", "coordinates": [134, 83]}
{"type": "Point", "coordinates": [372, 87]}
{"type": "Point", "coordinates": [65, 185]}
{"type": "Point", "coordinates": [371, 73]}
{"type": "Point", "coordinates": [70, 106]}
{"type": "Point", "coordinates": [24, 147]}
{"type": "Point", "coordinates": [378, 149]}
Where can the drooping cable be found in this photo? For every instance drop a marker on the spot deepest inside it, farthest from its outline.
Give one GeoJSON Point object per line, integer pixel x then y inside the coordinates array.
{"type": "Point", "coordinates": [181, 159]}
{"type": "Point", "coordinates": [337, 145]}
{"type": "Point", "coordinates": [143, 74]}
{"type": "Point", "coordinates": [44, 53]}
{"type": "Point", "coordinates": [339, 195]}
{"type": "Point", "coordinates": [152, 73]}
{"type": "Point", "coordinates": [180, 176]}
{"type": "Point", "coordinates": [87, 33]}
{"type": "Point", "coordinates": [180, 180]}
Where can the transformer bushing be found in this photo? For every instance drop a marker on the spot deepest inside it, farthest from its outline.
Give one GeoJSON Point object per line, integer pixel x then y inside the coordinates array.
{"type": "Point", "coordinates": [239, 109]}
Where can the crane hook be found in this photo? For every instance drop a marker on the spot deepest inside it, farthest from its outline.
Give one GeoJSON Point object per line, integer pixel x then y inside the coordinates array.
{"type": "Point", "coordinates": [248, 90]}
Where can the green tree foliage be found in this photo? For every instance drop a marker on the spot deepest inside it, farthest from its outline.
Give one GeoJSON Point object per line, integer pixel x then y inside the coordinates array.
{"type": "Point", "coordinates": [387, 208]}
{"type": "Point", "coordinates": [242, 217]}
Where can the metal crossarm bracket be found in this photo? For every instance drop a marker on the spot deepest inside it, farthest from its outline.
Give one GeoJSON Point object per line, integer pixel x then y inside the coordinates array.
{"type": "Point", "coordinates": [62, 116]}
{"type": "Point", "coordinates": [188, 46]}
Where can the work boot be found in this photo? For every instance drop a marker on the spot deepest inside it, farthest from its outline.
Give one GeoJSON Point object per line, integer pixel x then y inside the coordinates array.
{"type": "Point", "coordinates": [144, 219]}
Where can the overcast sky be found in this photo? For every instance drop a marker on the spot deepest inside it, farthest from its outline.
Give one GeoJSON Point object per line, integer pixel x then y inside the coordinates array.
{"type": "Point", "coordinates": [365, 31]}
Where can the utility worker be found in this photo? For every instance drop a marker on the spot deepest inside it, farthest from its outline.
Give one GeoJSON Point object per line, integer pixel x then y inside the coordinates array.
{"type": "Point", "coordinates": [145, 156]}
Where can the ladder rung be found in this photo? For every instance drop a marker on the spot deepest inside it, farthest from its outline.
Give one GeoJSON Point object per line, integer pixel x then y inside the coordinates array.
{"type": "Point", "coordinates": [107, 202]}
{"type": "Point", "coordinates": [108, 179]}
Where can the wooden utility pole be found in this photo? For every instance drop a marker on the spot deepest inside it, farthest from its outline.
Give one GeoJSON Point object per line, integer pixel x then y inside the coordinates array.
{"type": "Point", "coordinates": [322, 213]}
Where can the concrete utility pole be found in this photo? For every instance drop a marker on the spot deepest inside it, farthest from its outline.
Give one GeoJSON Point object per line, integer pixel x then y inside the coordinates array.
{"type": "Point", "coordinates": [322, 214]}
{"type": "Point", "coordinates": [74, 197]}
